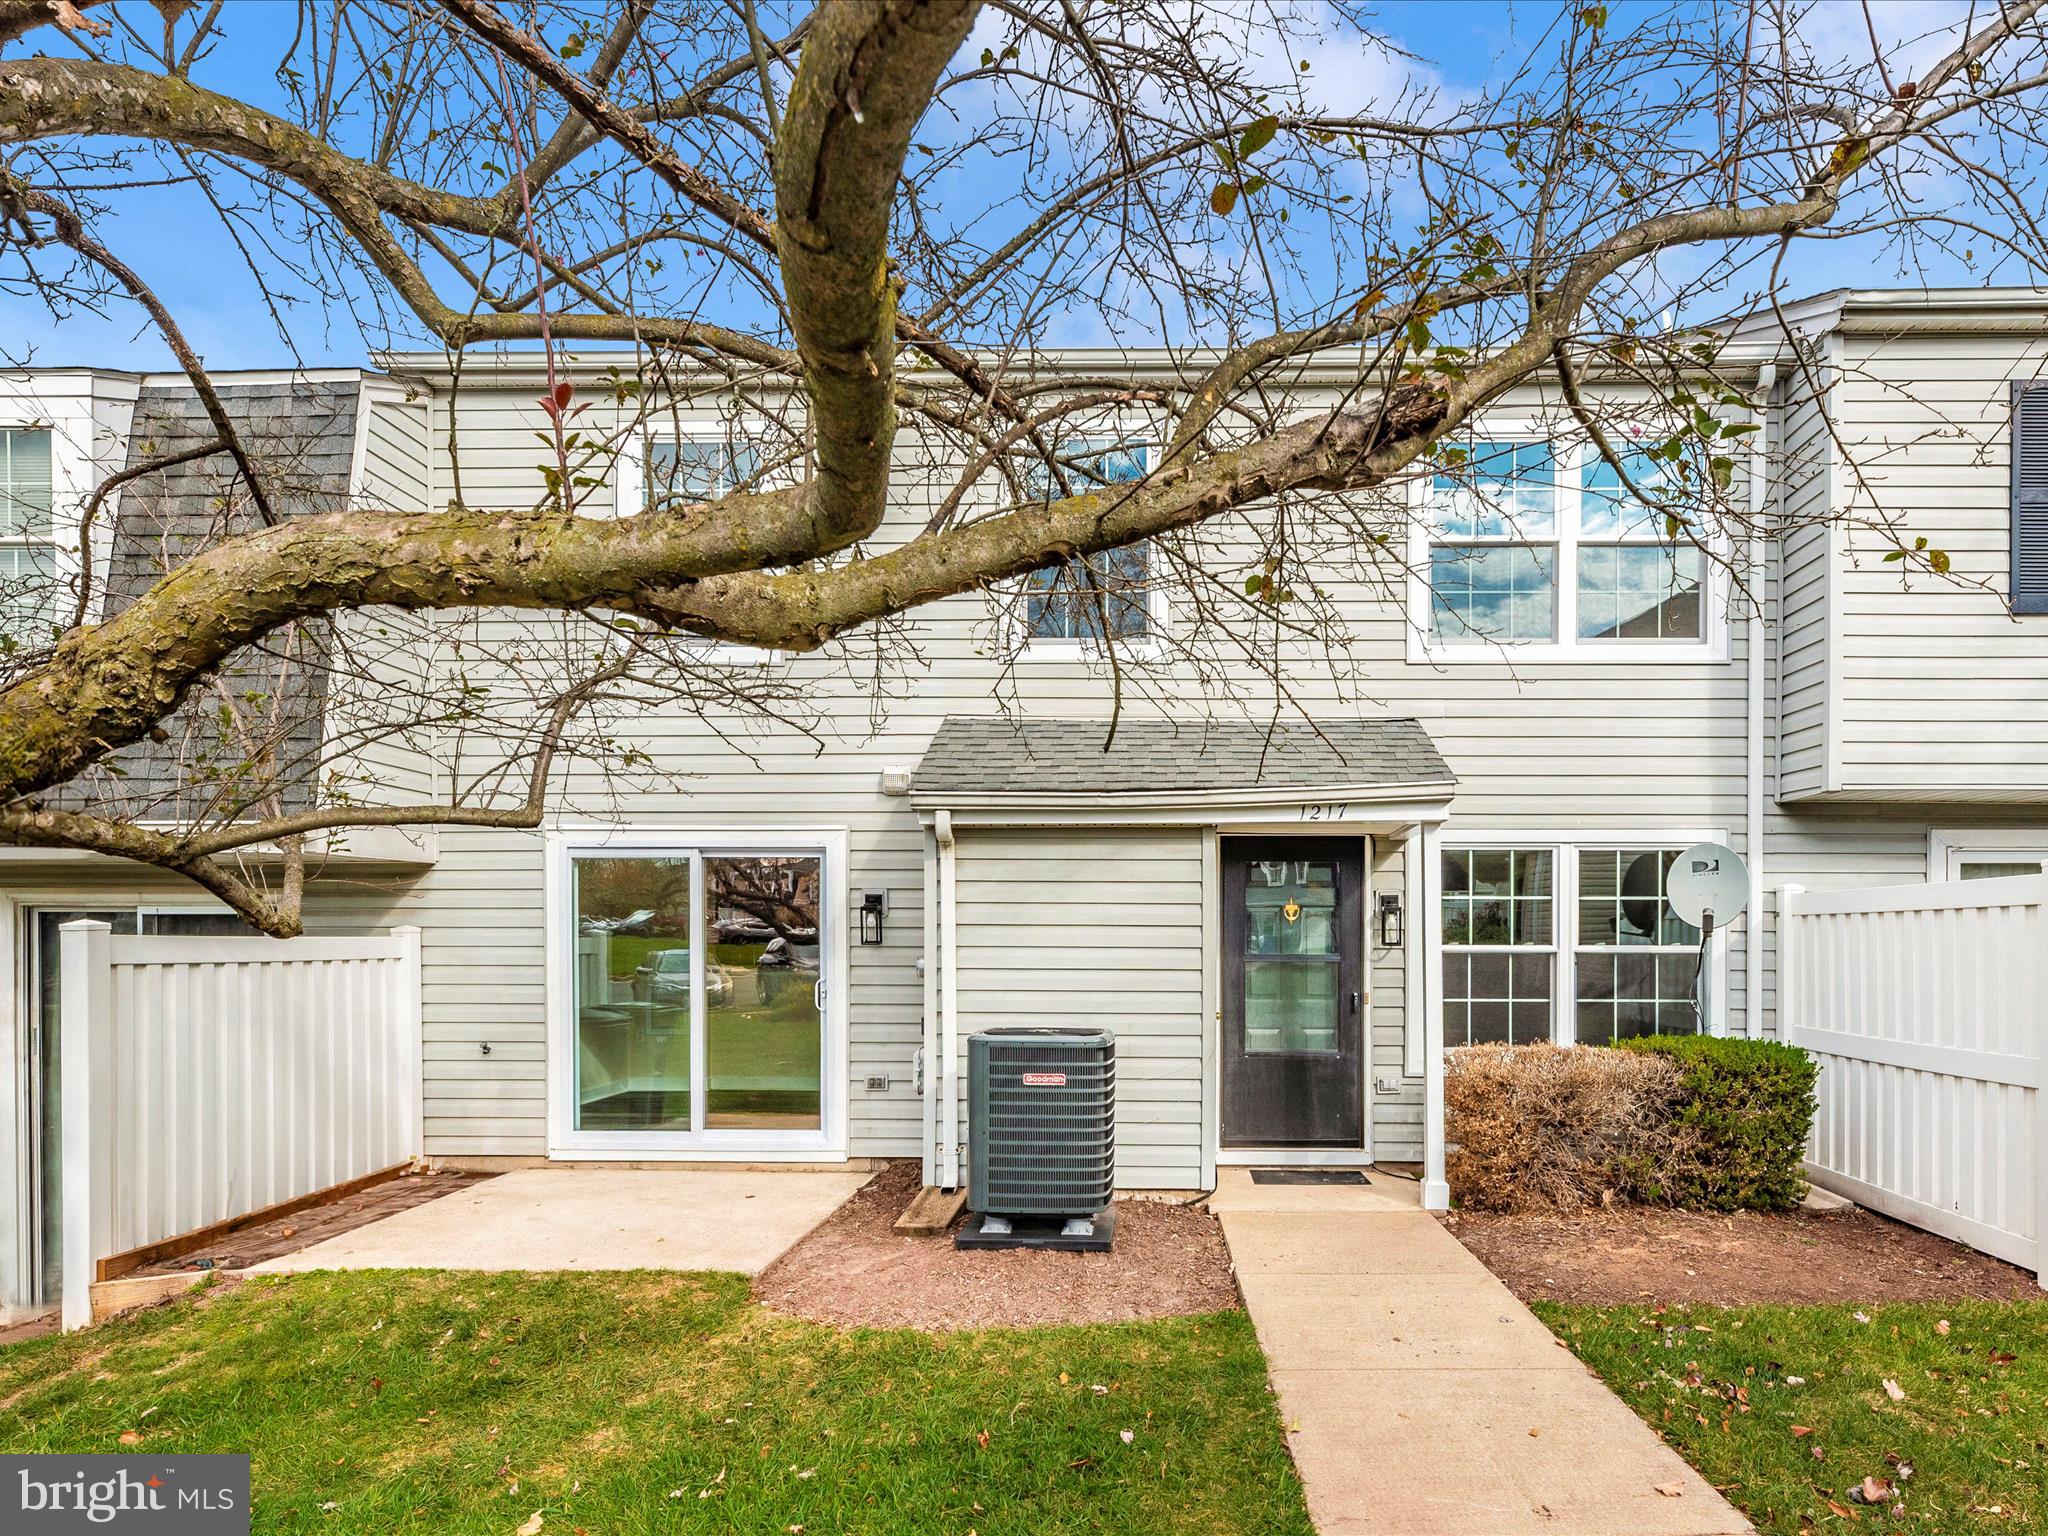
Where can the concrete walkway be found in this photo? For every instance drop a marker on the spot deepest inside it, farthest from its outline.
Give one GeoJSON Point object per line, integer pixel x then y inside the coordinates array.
{"type": "Point", "coordinates": [594, 1218]}
{"type": "Point", "coordinates": [1420, 1397]}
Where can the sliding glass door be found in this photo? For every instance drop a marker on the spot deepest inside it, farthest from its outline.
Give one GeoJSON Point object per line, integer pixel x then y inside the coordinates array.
{"type": "Point", "coordinates": [698, 981]}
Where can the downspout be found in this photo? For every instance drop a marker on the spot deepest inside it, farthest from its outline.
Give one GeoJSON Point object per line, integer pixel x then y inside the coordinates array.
{"type": "Point", "coordinates": [1759, 682]}
{"type": "Point", "coordinates": [949, 1003]}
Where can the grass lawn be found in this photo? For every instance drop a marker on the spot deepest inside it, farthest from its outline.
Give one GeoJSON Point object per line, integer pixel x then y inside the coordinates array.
{"type": "Point", "coordinates": [643, 1402]}
{"type": "Point", "coordinates": [1971, 1420]}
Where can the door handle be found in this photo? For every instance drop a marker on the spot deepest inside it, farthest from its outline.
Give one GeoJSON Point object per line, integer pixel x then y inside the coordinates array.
{"type": "Point", "coordinates": [1354, 1002]}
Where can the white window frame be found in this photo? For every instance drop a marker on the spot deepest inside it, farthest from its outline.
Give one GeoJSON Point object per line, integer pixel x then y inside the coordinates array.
{"type": "Point", "coordinates": [1149, 646]}
{"type": "Point", "coordinates": [564, 846]}
{"type": "Point", "coordinates": [1948, 849]}
{"type": "Point", "coordinates": [63, 552]}
{"type": "Point", "coordinates": [630, 476]}
{"type": "Point", "coordinates": [1426, 646]}
{"type": "Point", "coordinates": [89, 416]}
{"type": "Point", "coordinates": [1564, 848]}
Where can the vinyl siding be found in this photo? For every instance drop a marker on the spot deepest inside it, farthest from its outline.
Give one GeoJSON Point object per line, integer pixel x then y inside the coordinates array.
{"type": "Point", "coordinates": [1088, 927]}
{"type": "Point", "coordinates": [1938, 694]}
{"type": "Point", "coordinates": [1397, 1111]}
{"type": "Point", "coordinates": [1561, 746]}
{"type": "Point", "coordinates": [1805, 575]}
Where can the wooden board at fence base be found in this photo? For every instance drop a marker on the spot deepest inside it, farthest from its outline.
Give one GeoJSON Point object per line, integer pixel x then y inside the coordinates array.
{"type": "Point", "coordinates": [116, 1265]}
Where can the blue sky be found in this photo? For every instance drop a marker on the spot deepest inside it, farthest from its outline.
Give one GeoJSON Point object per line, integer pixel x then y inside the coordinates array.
{"type": "Point", "coordinates": [181, 247]}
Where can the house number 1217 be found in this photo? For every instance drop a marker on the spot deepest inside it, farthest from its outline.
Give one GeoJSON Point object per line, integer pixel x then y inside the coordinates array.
{"type": "Point", "coordinates": [1324, 812]}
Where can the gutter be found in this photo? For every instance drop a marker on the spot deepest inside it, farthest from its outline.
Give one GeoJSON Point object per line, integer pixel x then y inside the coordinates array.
{"type": "Point", "coordinates": [949, 1003]}
{"type": "Point", "coordinates": [1754, 832]}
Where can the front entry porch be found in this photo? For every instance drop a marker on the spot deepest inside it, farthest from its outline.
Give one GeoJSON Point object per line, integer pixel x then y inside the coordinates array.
{"type": "Point", "coordinates": [1248, 908]}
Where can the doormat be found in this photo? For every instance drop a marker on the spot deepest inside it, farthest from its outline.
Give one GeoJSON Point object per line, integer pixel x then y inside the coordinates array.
{"type": "Point", "coordinates": [1308, 1176]}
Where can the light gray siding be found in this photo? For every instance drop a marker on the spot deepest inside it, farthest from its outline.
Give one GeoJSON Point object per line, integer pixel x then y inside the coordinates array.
{"type": "Point", "coordinates": [1091, 927]}
{"type": "Point", "coordinates": [1804, 454]}
{"type": "Point", "coordinates": [1562, 747]}
{"type": "Point", "coordinates": [1394, 1099]}
{"type": "Point", "coordinates": [1931, 690]}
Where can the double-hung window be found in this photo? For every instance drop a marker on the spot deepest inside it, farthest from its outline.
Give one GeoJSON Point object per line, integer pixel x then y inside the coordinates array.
{"type": "Point", "coordinates": [1500, 945]}
{"type": "Point", "coordinates": [1542, 552]}
{"type": "Point", "coordinates": [1112, 593]}
{"type": "Point", "coordinates": [1635, 962]}
{"type": "Point", "coordinates": [1564, 942]}
{"type": "Point", "coordinates": [696, 468]}
{"type": "Point", "coordinates": [1635, 580]}
{"type": "Point", "coordinates": [1493, 550]}
{"type": "Point", "coordinates": [27, 534]}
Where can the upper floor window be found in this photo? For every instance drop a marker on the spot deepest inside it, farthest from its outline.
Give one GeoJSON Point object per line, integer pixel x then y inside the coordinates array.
{"type": "Point", "coordinates": [1113, 593]}
{"type": "Point", "coordinates": [27, 530]}
{"type": "Point", "coordinates": [1554, 553]}
{"type": "Point", "coordinates": [697, 469]}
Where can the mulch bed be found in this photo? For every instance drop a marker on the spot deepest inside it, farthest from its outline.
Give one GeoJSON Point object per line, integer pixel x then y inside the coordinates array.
{"type": "Point", "coordinates": [854, 1271]}
{"type": "Point", "coordinates": [301, 1229]}
{"type": "Point", "coordinates": [1617, 1258]}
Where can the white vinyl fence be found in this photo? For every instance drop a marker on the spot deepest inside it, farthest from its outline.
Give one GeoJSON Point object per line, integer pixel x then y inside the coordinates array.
{"type": "Point", "coordinates": [207, 1078]}
{"type": "Point", "coordinates": [1927, 1008]}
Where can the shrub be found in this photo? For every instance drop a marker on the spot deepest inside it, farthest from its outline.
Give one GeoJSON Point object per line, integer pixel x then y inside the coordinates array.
{"type": "Point", "coordinates": [1544, 1127]}
{"type": "Point", "coordinates": [1743, 1113]}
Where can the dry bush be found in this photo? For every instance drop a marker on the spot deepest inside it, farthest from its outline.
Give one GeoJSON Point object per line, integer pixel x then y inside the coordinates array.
{"type": "Point", "coordinates": [1545, 1127]}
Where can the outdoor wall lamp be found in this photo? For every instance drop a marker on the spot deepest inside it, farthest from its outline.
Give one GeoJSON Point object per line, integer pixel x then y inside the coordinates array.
{"type": "Point", "coordinates": [1390, 920]}
{"type": "Point", "coordinates": [872, 905]}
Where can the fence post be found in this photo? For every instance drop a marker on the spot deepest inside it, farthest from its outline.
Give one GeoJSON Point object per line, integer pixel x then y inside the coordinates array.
{"type": "Point", "coordinates": [86, 1106]}
{"type": "Point", "coordinates": [411, 1029]}
{"type": "Point", "coordinates": [2038, 947]}
{"type": "Point", "coordinates": [1788, 964]}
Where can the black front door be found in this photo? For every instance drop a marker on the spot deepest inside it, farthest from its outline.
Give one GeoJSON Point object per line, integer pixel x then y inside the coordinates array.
{"type": "Point", "coordinates": [1293, 992]}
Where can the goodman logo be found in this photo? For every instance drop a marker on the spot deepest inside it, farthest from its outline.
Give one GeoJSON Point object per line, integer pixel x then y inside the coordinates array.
{"type": "Point", "coordinates": [159, 1495]}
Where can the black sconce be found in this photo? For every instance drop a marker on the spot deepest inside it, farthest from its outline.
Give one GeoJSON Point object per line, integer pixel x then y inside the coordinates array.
{"type": "Point", "coordinates": [872, 905]}
{"type": "Point", "coordinates": [1390, 920]}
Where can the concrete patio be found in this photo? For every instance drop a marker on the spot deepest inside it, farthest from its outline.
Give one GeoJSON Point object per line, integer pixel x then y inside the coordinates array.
{"type": "Point", "coordinates": [594, 1218]}
{"type": "Point", "coordinates": [1420, 1397]}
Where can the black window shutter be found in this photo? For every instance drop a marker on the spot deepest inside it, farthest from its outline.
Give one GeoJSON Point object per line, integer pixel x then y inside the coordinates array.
{"type": "Point", "coordinates": [2029, 498]}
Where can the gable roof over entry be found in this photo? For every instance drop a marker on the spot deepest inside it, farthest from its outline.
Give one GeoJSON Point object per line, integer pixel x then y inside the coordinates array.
{"type": "Point", "coordinates": [1012, 760]}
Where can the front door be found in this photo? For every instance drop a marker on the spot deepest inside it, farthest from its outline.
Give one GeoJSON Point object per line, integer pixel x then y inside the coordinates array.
{"type": "Point", "coordinates": [1293, 992]}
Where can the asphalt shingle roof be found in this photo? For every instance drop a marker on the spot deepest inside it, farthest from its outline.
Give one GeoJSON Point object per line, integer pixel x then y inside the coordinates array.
{"type": "Point", "coordinates": [1008, 756]}
{"type": "Point", "coordinates": [302, 436]}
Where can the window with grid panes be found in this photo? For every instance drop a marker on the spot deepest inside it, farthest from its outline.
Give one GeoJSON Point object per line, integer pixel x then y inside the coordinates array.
{"type": "Point", "coordinates": [1493, 550]}
{"type": "Point", "coordinates": [1500, 946]}
{"type": "Point", "coordinates": [27, 536]}
{"type": "Point", "coordinates": [1634, 961]}
{"type": "Point", "coordinates": [1110, 592]}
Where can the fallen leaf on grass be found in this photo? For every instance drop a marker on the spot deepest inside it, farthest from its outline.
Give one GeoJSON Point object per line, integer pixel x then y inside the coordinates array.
{"type": "Point", "coordinates": [1941, 1327]}
{"type": "Point", "coordinates": [1873, 1490]}
{"type": "Point", "coordinates": [1843, 1510]}
{"type": "Point", "coordinates": [131, 1437]}
{"type": "Point", "coordinates": [1801, 1431]}
{"type": "Point", "coordinates": [1862, 1317]}
{"type": "Point", "coordinates": [1893, 1390]}
{"type": "Point", "coordinates": [2002, 1357]}
{"type": "Point", "coordinates": [531, 1525]}
{"type": "Point", "coordinates": [1126, 1436]}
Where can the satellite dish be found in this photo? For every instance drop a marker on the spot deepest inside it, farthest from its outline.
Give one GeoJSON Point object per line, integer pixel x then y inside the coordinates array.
{"type": "Point", "coordinates": [1708, 886]}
